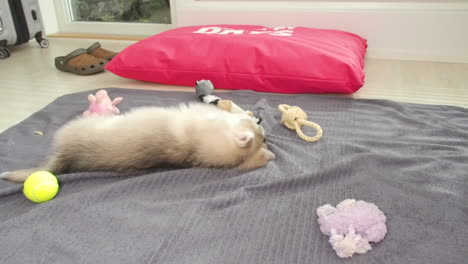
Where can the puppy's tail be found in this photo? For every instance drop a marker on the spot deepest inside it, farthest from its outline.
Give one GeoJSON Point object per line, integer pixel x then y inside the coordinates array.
{"type": "Point", "coordinates": [17, 175]}
{"type": "Point", "coordinates": [54, 165]}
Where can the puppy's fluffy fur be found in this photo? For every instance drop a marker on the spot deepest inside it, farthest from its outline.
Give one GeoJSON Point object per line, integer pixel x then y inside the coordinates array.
{"type": "Point", "coordinates": [187, 135]}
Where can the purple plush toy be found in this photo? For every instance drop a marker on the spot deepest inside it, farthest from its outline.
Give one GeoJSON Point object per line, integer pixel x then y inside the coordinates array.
{"type": "Point", "coordinates": [351, 226]}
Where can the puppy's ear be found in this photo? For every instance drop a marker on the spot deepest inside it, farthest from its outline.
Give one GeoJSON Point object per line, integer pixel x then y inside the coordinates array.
{"type": "Point", "coordinates": [243, 138]}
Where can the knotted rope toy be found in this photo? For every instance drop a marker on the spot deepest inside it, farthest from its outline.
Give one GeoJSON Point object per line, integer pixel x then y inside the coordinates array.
{"type": "Point", "coordinates": [294, 118]}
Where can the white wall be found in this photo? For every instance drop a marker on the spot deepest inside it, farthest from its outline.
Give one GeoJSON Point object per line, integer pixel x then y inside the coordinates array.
{"type": "Point", "coordinates": [48, 16]}
{"type": "Point", "coordinates": [395, 29]}
{"type": "Point", "coordinates": [417, 29]}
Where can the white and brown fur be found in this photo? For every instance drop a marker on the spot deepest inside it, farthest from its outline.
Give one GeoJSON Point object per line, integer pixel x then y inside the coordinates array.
{"type": "Point", "coordinates": [187, 135]}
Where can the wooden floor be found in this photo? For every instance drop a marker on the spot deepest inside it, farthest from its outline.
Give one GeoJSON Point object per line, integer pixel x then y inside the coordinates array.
{"type": "Point", "coordinates": [29, 80]}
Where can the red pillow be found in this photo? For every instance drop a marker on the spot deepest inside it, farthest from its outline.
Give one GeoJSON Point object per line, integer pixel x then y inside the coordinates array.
{"type": "Point", "coordinates": [279, 60]}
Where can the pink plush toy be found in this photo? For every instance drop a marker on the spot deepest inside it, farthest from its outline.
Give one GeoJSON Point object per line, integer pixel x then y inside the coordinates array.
{"type": "Point", "coordinates": [351, 226]}
{"type": "Point", "coordinates": [101, 104]}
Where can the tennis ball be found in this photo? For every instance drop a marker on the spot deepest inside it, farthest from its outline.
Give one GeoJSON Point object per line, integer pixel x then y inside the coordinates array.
{"type": "Point", "coordinates": [41, 186]}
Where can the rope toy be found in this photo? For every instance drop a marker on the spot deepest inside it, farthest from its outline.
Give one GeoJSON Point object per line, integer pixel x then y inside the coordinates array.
{"type": "Point", "coordinates": [294, 118]}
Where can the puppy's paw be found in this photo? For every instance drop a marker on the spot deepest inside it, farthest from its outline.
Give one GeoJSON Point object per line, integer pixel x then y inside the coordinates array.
{"type": "Point", "coordinates": [268, 155]}
{"type": "Point", "coordinates": [259, 159]}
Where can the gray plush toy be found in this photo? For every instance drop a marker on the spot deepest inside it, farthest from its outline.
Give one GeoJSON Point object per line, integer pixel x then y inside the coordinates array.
{"type": "Point", "coordinates": [205, 90]}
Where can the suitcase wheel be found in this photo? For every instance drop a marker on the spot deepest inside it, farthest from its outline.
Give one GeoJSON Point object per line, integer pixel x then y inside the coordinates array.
{"type": "Point", "coordinates": [44, 43]}
{"type": "Point", "coordinates": [4, 53]}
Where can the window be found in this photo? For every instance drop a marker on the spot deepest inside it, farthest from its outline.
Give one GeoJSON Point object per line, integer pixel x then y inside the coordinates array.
{"type": "Point", "coordinates": [139, 11]}
{"type": "Point", "coordinates": [114, 17]}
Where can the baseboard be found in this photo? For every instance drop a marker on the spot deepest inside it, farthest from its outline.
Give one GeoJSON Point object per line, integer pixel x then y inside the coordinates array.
{"type": "Point", "coordinates": [446, 56]}
{"type": "Point", "coordinates": [97, 36]}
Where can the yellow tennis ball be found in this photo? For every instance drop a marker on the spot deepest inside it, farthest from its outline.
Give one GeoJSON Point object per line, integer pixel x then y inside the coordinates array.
{"type": "Point", "coordinates": [41, 186]}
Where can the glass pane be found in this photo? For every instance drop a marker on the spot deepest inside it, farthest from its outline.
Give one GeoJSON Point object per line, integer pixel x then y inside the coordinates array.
{"type": "Point", "coordinates": [139, 11]}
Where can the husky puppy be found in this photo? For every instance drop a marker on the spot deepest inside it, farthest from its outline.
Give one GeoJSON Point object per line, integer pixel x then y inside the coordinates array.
{"type": "Point", "coordinates": [196, 134]}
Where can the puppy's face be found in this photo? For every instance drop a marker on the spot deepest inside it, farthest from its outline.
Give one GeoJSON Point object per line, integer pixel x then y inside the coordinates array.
{"type": "Point", "coordinates": [241, 144]}
{"type": "Point", "coordinates": [251, 139]}
{"type": "Point", "coordinates": [249, 132]}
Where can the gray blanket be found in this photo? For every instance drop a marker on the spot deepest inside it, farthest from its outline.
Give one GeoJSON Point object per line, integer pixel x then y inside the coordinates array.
{"type": "Point", "coordinates": [411, 160]}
